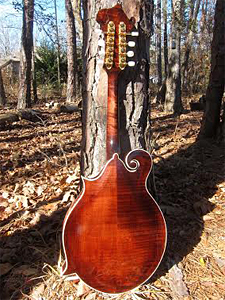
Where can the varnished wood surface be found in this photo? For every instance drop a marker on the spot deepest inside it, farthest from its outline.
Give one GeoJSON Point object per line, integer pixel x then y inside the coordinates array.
{"type": "Point", "coordinates": [114, 235]}
{"type": "Point", "coordinates": [112, 136]}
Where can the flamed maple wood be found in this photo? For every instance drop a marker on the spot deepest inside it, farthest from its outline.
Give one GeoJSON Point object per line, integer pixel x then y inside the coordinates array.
{"type": "Point", "coordinates": [114, 234]}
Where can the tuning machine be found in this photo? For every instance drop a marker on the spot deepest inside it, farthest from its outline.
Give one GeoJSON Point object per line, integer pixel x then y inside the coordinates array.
{"type": "Point", "coordinates": [131, 63]}
{"type": "Point", "coordinates": [134, 33]}
{"type": "Point", "coordinates": [110, 40]}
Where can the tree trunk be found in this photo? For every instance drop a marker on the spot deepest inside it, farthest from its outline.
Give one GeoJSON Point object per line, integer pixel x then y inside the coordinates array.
{"type": "Point", "coordinates": [77, 10]}
{"type": "Point", "coordinates": [215, 90]}
{"type": "Point", "coordinates": [25, 75]}
{"type": "Point", "coordinates": [58, 44]}
{"type": "Point", "coordinates": [2, 91]}
{"type": "Point", "coordinates": [165, 39]}
{"type": "Point", "coordinates": [34, 79]}
{"type": "Point", "coordinates": [158, 42]}
{"type": "Point", "coordinates": [132, 89]}
{"type": "Point", "coordinates": [71, 53]}
{"type": "Point", "coordinates": [173, 102]}
{"type": "Point", "coordinates": [188, 44]}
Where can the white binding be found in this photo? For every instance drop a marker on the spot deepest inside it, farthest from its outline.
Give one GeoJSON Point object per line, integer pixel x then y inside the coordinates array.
{"type": "Point", "coordinates": [130, 169]}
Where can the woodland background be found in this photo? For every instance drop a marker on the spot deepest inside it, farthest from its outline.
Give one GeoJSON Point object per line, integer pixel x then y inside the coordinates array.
{"type": "Point", "coordinates": [52, 117]}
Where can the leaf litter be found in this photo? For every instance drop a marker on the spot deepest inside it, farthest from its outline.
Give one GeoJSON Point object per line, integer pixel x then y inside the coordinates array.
{"type": "Point", "coordinates": [40, 177]}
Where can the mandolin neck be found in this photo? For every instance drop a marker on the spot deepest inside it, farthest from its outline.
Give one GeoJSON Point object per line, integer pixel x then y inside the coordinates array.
{"type": "Point", "coordinates": [112, 136]}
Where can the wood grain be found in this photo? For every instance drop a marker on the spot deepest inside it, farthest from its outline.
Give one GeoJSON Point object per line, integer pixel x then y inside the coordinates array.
{"type": "Point", "coordinates": [114, 235]}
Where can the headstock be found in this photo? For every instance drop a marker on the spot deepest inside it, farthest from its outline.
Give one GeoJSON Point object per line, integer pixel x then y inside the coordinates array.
{"type": "Point", "coordinates": [116, 27]}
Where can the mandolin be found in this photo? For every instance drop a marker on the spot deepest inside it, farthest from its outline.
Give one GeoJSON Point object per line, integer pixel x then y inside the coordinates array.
{"type": "Point", "coordinates": [114, 233]}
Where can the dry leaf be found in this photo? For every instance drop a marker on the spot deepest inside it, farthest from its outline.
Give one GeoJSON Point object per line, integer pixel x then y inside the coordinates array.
{"type": "Point", "coordinates": [66, 197]}
{"type": "Point", "coordinates": [91, 296]}
{"type": "Point", "coordinates": [202, 261]}
{"type": "Point", "coordinates": [37, 291]}
{"type": "Point", "coordinates": [177, 284]}
{"type": "Point", "coordinates": [28, 188]}
{"type": "Point", "coordinates": [82, 289]}
{"type": "Point", "coordinates": [21, 201]}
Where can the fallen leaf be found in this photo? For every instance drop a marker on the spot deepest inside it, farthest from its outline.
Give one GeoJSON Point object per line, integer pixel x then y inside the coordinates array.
{"type": "Point", "coordinates": [28, 188]}
{"type": "Point", "coordinates": [202, 261]}
{"type": "Point", "coordinates": [66, 197]}
{"type": "Point", "coordinates": [37, 291]}
{"type": "Point", "coordinates": [91, 296]}
{"type": "Point", "coordinates": [82, 289]}
{"type": "Point", "coordinates": [177, 284]}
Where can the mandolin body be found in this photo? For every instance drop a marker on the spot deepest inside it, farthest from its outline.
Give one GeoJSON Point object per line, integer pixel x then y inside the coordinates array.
{"type": "Point", "coordinates": [115, 231]}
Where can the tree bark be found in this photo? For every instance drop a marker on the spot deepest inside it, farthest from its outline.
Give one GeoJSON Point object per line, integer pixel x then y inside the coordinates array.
{"type": "Point", "coordinates": [188, 44]}
{"type": "Point", "coordinates": [34, 79]}
{"type": "Point", "coordinates": [215, 90]}
{"type": "Point", "coordinates": [173, 102]}
{"type": "Point", "coordinates": [132, 89]}
{"type": "Point", "coordinates": [165, 38]}
{"type": "Point", "coordinates": [71, 53]}
{"type": "Point", "coordinates": [58, 44]}
{"type": "Point", "coordinates": [25, 75]}
{"type": "Point", "coordinates": [2, 91]}
{"type": "Point", "coordinates": [159, 43]}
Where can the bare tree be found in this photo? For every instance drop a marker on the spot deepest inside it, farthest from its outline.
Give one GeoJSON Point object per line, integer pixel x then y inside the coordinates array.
{"type": "Point", "coordinates": [25, 76]}
{"type": "Point", "coordinates": [158, 42]}
{"type": "Point", "coordinates": [132, 88]}
{"type": "Point", "coordinates": [165, 39]}
{"type": "Point", "coordinates": [2, 91]}
{"type": "Point", "coordinates": [71, 53]}
{"type": "Point", "coordinates": [188, 44]}
{"type": "Point", "coordinates": [215, 90]}
{"type": "Point", "coordinates": [173, 102]}
{"type": "Point", "coordinates": [57, 42]}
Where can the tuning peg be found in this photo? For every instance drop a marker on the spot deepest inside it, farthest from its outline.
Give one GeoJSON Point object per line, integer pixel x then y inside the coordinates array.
{"type": "Point", "coordinates": [130, 53]}
{"type": "Point", "coordinates": [131, 44]}
{"type": "Point", "coordinates": [131, 63]}
{"type": "Point", "coordinates": [135, 33]}
{"type": "Point", "coordinates": [101, 43]}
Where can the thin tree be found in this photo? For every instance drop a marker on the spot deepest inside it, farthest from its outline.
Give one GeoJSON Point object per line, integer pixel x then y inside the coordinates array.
{"type": "Point", "coordinates": [25, 74]}
{"type": "Point", "coordinates": [165, 39]}
{"type": "Point", "coordinates": [71, 53]}
{"type": "Point", "coordinates": [188, 44]}
{"type": "Point", "coordinates": [158, 42]}
{"type": "Point", "coordinates": [132, 89]}
{"type": "Point", "coordinates": [57, 43]}
{"type": "Point", "coordinates": [2, 91]}
{"type": "Point", "coordinates": [215, 90]}
{"type": "Point", "coordinates": [173, 102]}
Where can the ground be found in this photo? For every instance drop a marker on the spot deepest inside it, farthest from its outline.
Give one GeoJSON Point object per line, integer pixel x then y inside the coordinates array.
{"type": "Point", "coordinates": [39, 176]}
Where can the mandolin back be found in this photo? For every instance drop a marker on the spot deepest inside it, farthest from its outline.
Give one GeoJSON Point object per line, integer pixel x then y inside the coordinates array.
{"type": "Point", "coordinates": [114, 234]}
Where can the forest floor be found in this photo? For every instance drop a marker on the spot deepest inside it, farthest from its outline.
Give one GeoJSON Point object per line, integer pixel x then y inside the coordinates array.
{"type": "Point", "coordinates": [39, 176]}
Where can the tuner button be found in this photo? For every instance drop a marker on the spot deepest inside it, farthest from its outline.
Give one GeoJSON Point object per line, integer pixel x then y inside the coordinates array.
{"type": "Point", "coordinates": [101, 43]}
{"type": "Point", "coordinates": [131, 63]}
{"type": "Point", "coordinates": [130, 53]}
{"type": "Point", "coordinates": [135, 33]}
{"type": "Point", "coordinates": [131, 44]}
